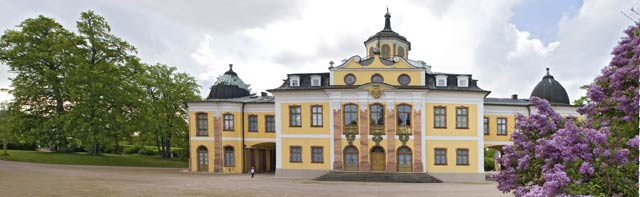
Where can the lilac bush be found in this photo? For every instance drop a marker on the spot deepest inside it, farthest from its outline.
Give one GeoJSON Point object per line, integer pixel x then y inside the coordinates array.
{"type": "Point", "coordinates": [592, 155]}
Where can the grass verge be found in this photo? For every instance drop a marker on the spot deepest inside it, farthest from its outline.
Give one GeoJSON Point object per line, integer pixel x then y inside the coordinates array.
{"type": "Point", "coordinates": [100, 160]}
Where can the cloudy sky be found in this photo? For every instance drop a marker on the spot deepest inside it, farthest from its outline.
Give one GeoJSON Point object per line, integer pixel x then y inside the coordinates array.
{"type": "Point", "coordinates": [506, 45]}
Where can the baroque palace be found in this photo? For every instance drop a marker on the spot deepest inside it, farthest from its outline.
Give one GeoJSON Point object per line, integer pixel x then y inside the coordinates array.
{"type": "Point", "coordinates": [381, 112]}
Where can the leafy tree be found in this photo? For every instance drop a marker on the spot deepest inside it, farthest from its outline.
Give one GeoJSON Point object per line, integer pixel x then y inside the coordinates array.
{"type": "Point", "coordinates": [40, 55]}
{"type": "Point", "coordinates": [165, 110]}
{"type": "Point", "coordinates": [552, 155]}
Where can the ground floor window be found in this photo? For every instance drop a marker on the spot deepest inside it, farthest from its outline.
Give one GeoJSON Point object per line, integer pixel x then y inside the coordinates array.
{"type": "Point", "coordinates": [203, 159]}
{"type": "Point", "coordinates": [440, 156]}
{"type": "Point", "coordinates": [295, 154]}
{"type": "Point", "coordinates": [229, 157]}
{"type": "Point", "coordinates": [462, 156]}
{"type": "Point", "coordinates": [316, 154]}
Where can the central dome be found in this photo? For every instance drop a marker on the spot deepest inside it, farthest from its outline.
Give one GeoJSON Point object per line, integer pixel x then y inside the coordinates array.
{"type": "Point", "coordinates": [551, 90]}
{"type": "Point", "coordinates": [229, 85]}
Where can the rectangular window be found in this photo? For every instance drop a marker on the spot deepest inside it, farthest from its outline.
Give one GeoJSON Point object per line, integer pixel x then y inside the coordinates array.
{"type": "Point", "coordinates": [229, 157]}
{"type": "Point", "coordinates": [253, 123]}
{"type": "Point", "coordinates": [486, 126]}
{"type": "Point", "coordinates": [228, 122]}
{"type": "Point", "coordinates": [462, 156]}
{"type": "Point", "coordinates": [316, 154]}
{"type": "Point", "coordinates": [316, 116]}
{"type": "Point", "coordinates": [462, 118]}
{"type": "Point", "coordinates": [440, 156]}
{"type": "Point", "coordinates": [203, 125]}
{"type": "Point", "coordinates": [270, 122]}
{"type": "Point", "coordinates": [295, 154]}
{"type": "Point", "coordinates": [440, 117]}
{"type": "Point", "coordinates": [502, 126]}
{"type": "Point", "coordinates": [294, 116]}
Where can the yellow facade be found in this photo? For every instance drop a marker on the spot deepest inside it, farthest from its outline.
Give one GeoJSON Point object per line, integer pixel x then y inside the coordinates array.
{"type": "Point", "coordinates": [306, 145]}
{"type": "Point", "coordinates": [451, 129]}
{"type": "Point", "coordinates": [493, 127]}
{"type": "Point", "coordinates": [451, 146]}
{"type": "Point", "coordinates": [305, 127]}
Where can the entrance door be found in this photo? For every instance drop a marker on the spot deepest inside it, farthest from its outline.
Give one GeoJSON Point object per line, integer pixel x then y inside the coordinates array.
{"type": "Point", "coordinates": [351, 161]}
{"type": "Point", "coordinates": [377, 159]}
{"type": "Point", "coordinates": [203, 159]}
{"type": "Point", "coordinates": [404, 159]}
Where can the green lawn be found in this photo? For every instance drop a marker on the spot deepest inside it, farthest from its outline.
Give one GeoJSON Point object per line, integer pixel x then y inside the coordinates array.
{"type": "Point", "coordinates": [85, 159]}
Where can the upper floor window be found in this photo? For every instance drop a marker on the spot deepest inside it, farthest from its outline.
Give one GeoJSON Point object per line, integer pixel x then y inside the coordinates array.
{"type": "Point", "coordinates": [376, 114]}
{"type": "Point", "coordinates": [253, 123]}
{"type": "Point", "coordinates": [386, 51]}
{"type": "Point", "coordinates": [377, 78]}
{"type": "Point", "coordinates": [350, 114]}
{"type": "Point", "coordinates": [502, 126]}
{"type": "Point", "coordinates": [294, 80]}
{"type": "Point", "coordinates": [316, 80]}
{"type": "Point", "coordinates": [316, 116]}
{"type": "Point", "coordinates": [228, 122]}
{"type": "Point", "coordinates": [270, 123]}
{"type": "Point", "coordinates": [462, 117]}
{"type": "Point", "coordinates": [229, 157]}
{"type": "Point", "coordinates": [440, 117]}
{"type": "Point", "coordinates": [404, 79]}
{"type": "Point", "coordinates": [463, 81]}
{"type": "Point", "coordinates": [401, 51]}
{"type": "Point", "coordinates": [349, 79]}
{"type": "Point", "coordinates": [295, 119]}
{"type": "Point", "coordinates": [486, 126]}
{"type": "Point", "coordinates": [441, 80]}
{"type": "Point", "coordinates": [203, 125]}
{"type": "Point", "coordinates": [404, 115]}
{"type": "Point", "coordinates": [440, 156]}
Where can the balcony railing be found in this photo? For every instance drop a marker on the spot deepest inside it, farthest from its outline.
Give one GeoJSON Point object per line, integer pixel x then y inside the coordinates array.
{"type": "Point", "coordinates": [351, 129]}
{"type": "Point", "coordinates": [376, 129]}
{"type": "Point", "coordinates": [404, 130]}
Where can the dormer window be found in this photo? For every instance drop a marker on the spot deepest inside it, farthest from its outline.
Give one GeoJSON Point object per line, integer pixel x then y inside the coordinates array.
{"type": "Point", "coordinates": [441, 80]}
{"type": "Point", "coordinates": [463, 81]}
{"type": "Point", "coordinates": [316, 80]}
{"type": "Point", "coordinates": [294, 80]}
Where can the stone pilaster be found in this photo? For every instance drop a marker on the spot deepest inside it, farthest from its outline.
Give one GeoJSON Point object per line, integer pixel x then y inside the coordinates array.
{"type": "Point", "coordinates": [337, 139]}
{"type": "Point", "coordinates": [364, 139]}
{"type": "Point", "coordinates": [390, 119]}
{"type": "Point", "coordinates": [217, 145]}
{"type": "Point", "coordinates": [417, 140]}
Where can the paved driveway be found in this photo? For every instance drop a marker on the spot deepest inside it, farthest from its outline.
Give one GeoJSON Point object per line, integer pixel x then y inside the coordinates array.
{"type": "Point", "coordinates": [30, 179]}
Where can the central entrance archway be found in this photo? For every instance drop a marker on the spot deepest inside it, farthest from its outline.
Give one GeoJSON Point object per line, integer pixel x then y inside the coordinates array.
{"type": "Point", "coordinates": [404, 159]}
{"type": "Point", "coordinates": [261, 156]}
{"type": "Point", "coordinates": [351, 161]}
{"type": "Point", "coordinates": [377, 159]}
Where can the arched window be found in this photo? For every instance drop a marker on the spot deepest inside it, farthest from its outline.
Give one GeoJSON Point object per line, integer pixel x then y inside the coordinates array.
{"type": "Point", "coordinates": [404, 115]}
{"type": "Point", "coordinates": [229, 157]}
{"type": "Point", "coordinates": [376, 114]}
{"type": "Point", "coordinates": [404, 159]}
{"type": "Point", "coordinates": [401, 52]}
{"type": "Point", "coordinates": [386, 51]}
{"type": "Point", "coordinates": [377, 78]}
{"type": "Point", "coordinates": [350, 114]}
{"type": "Point", "coordinates": [203, 159]}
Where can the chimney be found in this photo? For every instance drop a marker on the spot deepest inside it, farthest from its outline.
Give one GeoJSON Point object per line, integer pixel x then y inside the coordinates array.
{"type": "Point", "coordinates": [263, 94]}
{"type": "Point", "coordinates": [514, 96]}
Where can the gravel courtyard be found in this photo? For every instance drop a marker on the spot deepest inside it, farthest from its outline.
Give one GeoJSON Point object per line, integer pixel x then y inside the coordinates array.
{"type": "Point", "coordinates": [31, 179]}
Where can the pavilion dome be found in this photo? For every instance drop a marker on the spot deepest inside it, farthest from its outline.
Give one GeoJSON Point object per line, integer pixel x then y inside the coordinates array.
{"type": "Point", "coordinates": [229, 85]}
{"type": "Point", "coordinates": [551, 90]}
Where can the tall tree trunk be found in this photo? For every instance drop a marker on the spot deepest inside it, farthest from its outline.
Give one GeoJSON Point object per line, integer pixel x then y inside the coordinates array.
{"type": "Point", "coordinates": [167, 153]}
{"type": "Point", "coordinates": [4, 146]}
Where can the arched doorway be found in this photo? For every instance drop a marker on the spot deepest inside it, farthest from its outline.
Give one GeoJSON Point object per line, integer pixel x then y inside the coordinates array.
{"type": "Point", "coordinates": [261, 156]}
{"type": "Point", "coordinates": [404, 159]}
{"type": "Point", "coordinates": [377, 159]}
{"type": "Point", "coordinates": [203, 159]}
{"type": "Point", "coordinates": [351, 161]}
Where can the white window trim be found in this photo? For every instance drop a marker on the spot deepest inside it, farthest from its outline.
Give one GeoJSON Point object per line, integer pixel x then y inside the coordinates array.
{"type": "Point", "coordinates": [294, 80]}
{"type": "Point", "coordinates": [441, 77]}
{"type": "Point", "coordinates": [461, 81]}
{"type": "Point", "coordinates": [314, 78]}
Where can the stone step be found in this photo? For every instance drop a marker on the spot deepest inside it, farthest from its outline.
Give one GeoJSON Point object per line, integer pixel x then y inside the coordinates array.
{"type": "Point", "coordinates": [378, 177]}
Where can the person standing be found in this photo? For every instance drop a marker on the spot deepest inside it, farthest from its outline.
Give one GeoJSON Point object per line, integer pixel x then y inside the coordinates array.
{"type": "Point", "coordinates": [253, 171]}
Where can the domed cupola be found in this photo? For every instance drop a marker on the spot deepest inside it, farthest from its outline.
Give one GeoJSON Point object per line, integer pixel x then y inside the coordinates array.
{"type": "Point", "coordinates": [388, 42]}
{"type": "Point", "coordinates": [551, 90]}
{"type": "Point", "coordinates": [229, 85]}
